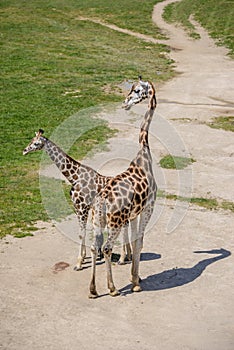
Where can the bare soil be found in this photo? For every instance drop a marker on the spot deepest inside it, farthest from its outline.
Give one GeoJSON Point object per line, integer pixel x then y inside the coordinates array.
{"type": "Point", "coordinates": [187, 272]}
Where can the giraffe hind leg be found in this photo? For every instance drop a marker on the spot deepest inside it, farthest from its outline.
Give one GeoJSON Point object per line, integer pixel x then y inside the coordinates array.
{"type": "Point", "coordinates": [126, 254]}
{"type": "Point", "coordinates": [137, 245]}
{"type": "Point", "coordinates": [92, 287]}
{"type": "Point", "coordinates": [136, 251]}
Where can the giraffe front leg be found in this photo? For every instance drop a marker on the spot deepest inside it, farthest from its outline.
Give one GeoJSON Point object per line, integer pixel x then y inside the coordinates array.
{"type": "Point", "coordinates": [82, 248]}
{"type": "Point", "coordinates": [82, 212]}
{"type": "Point", "coordinates": [110, 283]}
{"type": "Point", "coordinates": [107, 251]}
{"type": "Point", "coordinates": [81, 256]}
{"type": "Point", "coordinates": [92, 287]}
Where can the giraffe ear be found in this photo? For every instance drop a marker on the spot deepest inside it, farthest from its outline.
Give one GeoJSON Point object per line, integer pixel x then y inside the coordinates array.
{"type": "Point", "coordinates": [144, 84]}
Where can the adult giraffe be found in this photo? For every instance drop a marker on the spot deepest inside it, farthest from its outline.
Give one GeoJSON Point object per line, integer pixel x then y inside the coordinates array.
{"type": "Point", "coordinates": [127, 196]}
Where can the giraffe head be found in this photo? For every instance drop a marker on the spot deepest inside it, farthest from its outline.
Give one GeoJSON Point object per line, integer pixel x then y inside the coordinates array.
{"type": "Point", "coordinates": [36, 144]}
{"type": "Point", "coordinates": [139, 92]}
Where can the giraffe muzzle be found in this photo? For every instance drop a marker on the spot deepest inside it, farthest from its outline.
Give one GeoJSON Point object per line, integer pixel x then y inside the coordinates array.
{"type": "Point", "coordinates": [127, 104]}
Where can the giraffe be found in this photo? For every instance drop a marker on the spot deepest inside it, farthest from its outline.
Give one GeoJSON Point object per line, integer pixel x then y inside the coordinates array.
{"type": "Point", "coordinates": [85, 181]}
{"type": "Point", "coordinates": [126, 197]}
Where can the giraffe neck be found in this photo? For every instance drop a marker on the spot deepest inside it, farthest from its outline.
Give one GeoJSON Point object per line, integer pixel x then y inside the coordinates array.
{"type": "Point", "coordinates": [67, 165]}
{"type": "Point", "coordinates": [144, 131]}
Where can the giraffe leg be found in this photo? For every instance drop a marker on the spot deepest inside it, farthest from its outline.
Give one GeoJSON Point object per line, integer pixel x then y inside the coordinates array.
{"type": "Point", "coordinates": [107, 251]}
{"type": "Point", "coordinates": [81, 256]}
{"type": "Point", "coordinates": [126, 248]}
{"type": "Point", "coordinates": [113, 291]}
{"type": "Point", "coordinates": [98, 239]}
{"type": "Point", "coordinates": [98, 219]}
{"type": "Point", "coordinates": [128, 252]}
{"type": "Point", "coordinates": [137, 246]}
{"type": "Point", "coordinates": [136, 253]}
{"type": "Point", "coordinates": [82, 248]}
{"type": "Point", "coordinates": [122, 255]}
{"type": "Point", "coordinates": [92, 288]}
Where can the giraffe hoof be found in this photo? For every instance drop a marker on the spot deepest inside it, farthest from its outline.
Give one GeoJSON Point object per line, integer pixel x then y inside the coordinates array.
{"type": "Point", "coordinates": [121, 262]}
{"type": "Point", "coordinates": [115, 293]}
{"type": "Point", "coordinates": [136, 289]}
{"type": "Point", "coordinates": [78, 268]}
{"type": "Point", "coordinates": [93, 295]}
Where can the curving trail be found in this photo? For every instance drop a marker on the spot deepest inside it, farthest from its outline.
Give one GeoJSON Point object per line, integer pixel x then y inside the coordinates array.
{"type": "Point", "coordinates": [203, 89]}
{"type": "Point", "coordinates": [203, 83]}
{"type": "Point", "coordinates": [207, 77]}
{"type": "Point", "coordinates": [144, 37]}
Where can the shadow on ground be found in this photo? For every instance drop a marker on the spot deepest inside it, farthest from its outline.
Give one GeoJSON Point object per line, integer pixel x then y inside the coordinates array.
{"type": "Point", "coordinates": [177, 277]}
{"type": "Point", "coordinates": [115, 258]}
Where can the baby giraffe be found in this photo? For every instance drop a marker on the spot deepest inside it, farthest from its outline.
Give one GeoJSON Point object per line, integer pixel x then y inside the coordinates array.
{"type": "Point", "coordinates": [127, 196]}
{"type": "Point", "coordinates": [85, 181]}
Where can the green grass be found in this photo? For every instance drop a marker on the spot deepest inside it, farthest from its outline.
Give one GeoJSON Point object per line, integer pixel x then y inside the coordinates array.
{"type": "Point", "coordinates": [225, 123]}
{"type": "Point", "coordinates": [56, 198]}
{"type": "Point", "coordinates": [227, 205]}
{"type": "Point", "coordinates": [207, 203]}
{"type": "Point", "coordinates": [92, 140]}
{"type": "Point", "coordinates": [53, 66]}
{"type": "Point", "coordinates": [175, 162]}
{"type": "Point", "coordinates": [216, 16]}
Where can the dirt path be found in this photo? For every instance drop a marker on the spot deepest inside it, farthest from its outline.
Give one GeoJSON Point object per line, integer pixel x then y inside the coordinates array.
{"type": "Point", "coordinates": [188, 299]}
{"type": "Point", "coordinates": [121, 30]}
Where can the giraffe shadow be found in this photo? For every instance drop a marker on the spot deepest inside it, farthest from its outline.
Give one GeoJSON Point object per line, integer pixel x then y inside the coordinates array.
{"type": "Point", "coordinates": [177, 277]}
{"type": "Point", "coordinates": [149, 256]}
{"type": "Point", "coordinates": [115, 258]}
{"type": "Point", "coordinates": [144, 257]}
